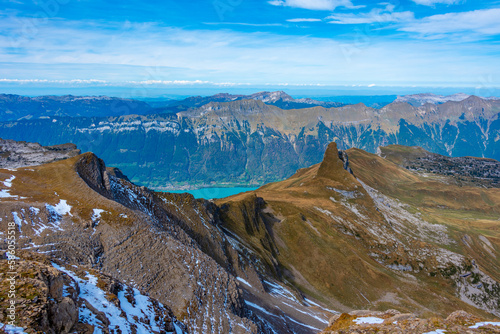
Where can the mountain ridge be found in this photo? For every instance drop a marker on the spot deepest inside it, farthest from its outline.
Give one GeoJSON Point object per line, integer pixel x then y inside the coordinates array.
{"type": "Point", "coordinates": [257, 143]}
{"type": "Point", "coordinates": [354, 231]}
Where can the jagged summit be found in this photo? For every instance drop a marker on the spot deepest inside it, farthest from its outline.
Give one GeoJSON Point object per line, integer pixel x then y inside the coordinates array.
{"type": "Point", "coordinates": [332, 166]}
{"type": "Point", "coordinates": [93, 171]}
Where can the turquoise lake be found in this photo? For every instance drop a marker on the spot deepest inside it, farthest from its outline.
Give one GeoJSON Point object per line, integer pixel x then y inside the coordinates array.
{"type": "Point", "coordinates": [210, 193]}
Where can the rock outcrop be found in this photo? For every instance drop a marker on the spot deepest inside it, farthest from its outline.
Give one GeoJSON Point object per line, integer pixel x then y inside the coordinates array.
{"type": "Point", "coordinates": [46, 299]}
{"type": "Point", "coordinates": [56, 299]}
{"type": "Point", "coordinates": [395, 322]}
{"type": "Point", "coordinates": [14, 154]}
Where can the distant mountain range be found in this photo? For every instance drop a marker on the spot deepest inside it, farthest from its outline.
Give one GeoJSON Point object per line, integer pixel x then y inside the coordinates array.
{"type": "Point", "coordinates": [279, 99]}
{"type": "Point", "coordinates": [16, 107]}
{"type": "Point", "coordinates": [421, 99]}
{"type": "Point", "coordinates": [251, 142]}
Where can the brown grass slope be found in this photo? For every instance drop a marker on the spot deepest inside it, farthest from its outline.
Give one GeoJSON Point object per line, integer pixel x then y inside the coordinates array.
{"type": "Point", "coordinates": [331, 235]}
{"type": "Point", "coordinates": [165, 244]}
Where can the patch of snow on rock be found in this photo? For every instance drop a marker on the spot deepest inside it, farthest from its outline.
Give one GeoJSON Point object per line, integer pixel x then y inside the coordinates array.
{"type": "Point", "coordinates": [8, 182]}
{"type": "Point", "coordinates": [368, 320]}
{"type": "Point", "coordinates": [9, 329]}
{"type": "Point", "coordinates": [63, 208]}
{"type": "Point", "coordinates": [480, 324]}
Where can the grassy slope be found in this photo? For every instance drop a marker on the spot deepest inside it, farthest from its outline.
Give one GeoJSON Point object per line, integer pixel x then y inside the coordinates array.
{"type": "Point", "coordinates": [331, 262]}
{"type": "Point", "coordinates": [49, 183]}
{"type": "Point", "coordinates": [471, 211]}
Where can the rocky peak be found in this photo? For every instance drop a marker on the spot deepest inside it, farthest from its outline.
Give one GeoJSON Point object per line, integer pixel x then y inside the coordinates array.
{"type": "Point", "coordinates": [271, 96]}
{"type": "Point", "coordinates": [333, 166]}
{"type": "Point", "coordinates": [93, 171]}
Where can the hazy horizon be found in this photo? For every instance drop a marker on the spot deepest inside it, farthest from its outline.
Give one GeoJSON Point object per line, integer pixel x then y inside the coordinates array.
{"type": "Point", "coordinates": [295, 92]}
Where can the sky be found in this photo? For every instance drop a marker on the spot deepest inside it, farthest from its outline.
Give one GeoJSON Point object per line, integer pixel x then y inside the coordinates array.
{"type": "Point", "coordinates": [153, 47]}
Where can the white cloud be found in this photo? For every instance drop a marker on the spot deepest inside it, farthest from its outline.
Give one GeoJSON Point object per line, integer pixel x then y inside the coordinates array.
{"type": "Point", "coordinates": [315, 4]}
{"type": "Point", "coordinates": [434, 2]}
{"type": "Point", "coordinates": [44, 81]}
{"type": "Point", "coordinates": [245, 24]}
{"type": "Point", "coordinates": [376, 15]}
{"type": "Point", "coordinates": [479, 22]}
{"type": "Point", "coordinates": [304, 20]}
{"type": "Point", "coordinates": [149, 55]}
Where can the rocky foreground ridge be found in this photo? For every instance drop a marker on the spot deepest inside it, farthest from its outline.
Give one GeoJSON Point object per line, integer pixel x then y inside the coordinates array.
{"type": "Point", "coordinates": [357, 231]}
{"type": "Point", "coordinates": [114, 242]}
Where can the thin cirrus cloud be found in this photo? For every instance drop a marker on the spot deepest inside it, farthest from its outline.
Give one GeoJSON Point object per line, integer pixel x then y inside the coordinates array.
{"type": "Point", "coordinates": [304, 20]}
{"type": "Point", "coordinates": [483, 22]}
{"type": "Point", "coordinates": [376, 15]}
{"type": "Point", "coordinates": [435, 2]}
{"type": "Point", "coordinates": [155, 55]}
{"type": "Point", "coordinates": [315, 4]}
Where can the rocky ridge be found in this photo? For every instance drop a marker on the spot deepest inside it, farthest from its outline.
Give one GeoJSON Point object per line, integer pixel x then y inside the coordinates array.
{"type": "Point", "coordinates": [16, 107]}
{"type": "Point", "coordinates": [15, 154]}
{"type": "Point", "coordinates": [461, 170]}
{"type": "Point", "coordinates": [168, 247]}
{"type": "Point", "coordinates": [355, 231]}
{"type": "Point", "coordinates": [327, 225]}
{"type": "Point", "coordinates": [277, 98]}
{"type": "Point", "coordinates": [53, 299]}
{"type": "Point", "coordinates": [421, 99]}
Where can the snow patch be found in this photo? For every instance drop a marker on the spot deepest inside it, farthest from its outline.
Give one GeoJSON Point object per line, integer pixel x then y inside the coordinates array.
{"type": "Point", "coordinates": [62, 208]}
{"type": "Point", "coordinates": [480, 324]}
{"type": "Point", "coordinates": [369, 320]}
{"type": "Point", "coordinates": [140, 315]}
{"type": "Point", "coordinates": [4, 193]}
{"type": "Point", "coordinates": [243, 281]}
{"type": "Point", "coordinates": [278, 290]}
{"type": "Point", "coordinates": [9, 329]}
{"type": "Point", "coordinates": [97, 213]}
{"type": "Point", "coordinates": [34, 211]}
{"type": "Point", "coordinates": [257, 307]}
{"type": "Point", "coordinates": [8, 182]}
{"type": "Point", "coordinates": [17, 220]}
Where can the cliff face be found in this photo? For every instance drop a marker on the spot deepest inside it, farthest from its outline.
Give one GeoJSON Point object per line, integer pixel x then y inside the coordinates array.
{"type": "Point", "coordinates": [58, 298]}
{"type": "Point", "coordinates": [248, 141]}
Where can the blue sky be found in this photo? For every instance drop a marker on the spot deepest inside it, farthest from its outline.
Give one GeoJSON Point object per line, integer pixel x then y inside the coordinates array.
{"type": "Point", "coordinates": [250, 43]}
